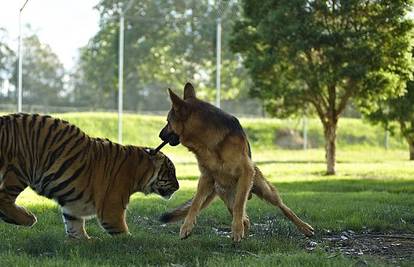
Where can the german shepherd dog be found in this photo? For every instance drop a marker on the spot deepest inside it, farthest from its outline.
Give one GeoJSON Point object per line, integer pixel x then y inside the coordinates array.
{"type": "Point", "coordinates": [224, 159]}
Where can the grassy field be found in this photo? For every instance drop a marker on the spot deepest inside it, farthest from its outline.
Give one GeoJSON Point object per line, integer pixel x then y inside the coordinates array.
{"type": "Point", "coordinates": [372, 192]}
{"type": "Point", "coordinates": [143, 130]}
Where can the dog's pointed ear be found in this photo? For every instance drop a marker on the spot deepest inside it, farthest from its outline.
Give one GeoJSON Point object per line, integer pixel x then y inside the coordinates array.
{"type": "Point", "coordinates": [189, 91]}
{"type": "Point", "coordinates": [177, 102]}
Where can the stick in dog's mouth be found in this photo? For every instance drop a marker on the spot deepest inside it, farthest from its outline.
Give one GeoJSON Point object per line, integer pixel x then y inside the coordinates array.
{"type": "Point", "coordinates": [155, 151]}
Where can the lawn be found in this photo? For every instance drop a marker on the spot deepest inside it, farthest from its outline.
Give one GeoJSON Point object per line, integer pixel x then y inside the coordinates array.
{"type": "Point", "coordinates": [373, 193]}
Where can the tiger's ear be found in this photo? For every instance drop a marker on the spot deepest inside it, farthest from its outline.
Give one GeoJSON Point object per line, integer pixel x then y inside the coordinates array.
{"type": "Point", "coordinates": [189, 91]}
{"type": "Point", "coordinates": [149, 151]}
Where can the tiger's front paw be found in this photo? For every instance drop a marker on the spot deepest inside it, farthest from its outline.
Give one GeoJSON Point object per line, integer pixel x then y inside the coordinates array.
{"type": "Point", "coordinates": [186, 229]}
{"type": "Point", "coordinates": [71, 239]}
{"type": "Point", "coordinates": [237, 230]}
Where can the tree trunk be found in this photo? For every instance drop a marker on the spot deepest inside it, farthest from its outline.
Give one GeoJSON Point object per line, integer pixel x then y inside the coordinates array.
{"type": "Point", "coordinates": [405, 130]}
{"type": "Point", "coordinates": [330, 147]}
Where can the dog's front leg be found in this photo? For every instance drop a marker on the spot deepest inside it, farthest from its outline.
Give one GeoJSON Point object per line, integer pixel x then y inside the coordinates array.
{"type": "Point", "coordinates": [204, 189]}
{"type": "Point", "coordinates": [244, 185]}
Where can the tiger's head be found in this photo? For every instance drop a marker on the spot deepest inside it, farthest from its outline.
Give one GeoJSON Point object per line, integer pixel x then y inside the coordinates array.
{"type": "Point", "coordinates": [163, 181]}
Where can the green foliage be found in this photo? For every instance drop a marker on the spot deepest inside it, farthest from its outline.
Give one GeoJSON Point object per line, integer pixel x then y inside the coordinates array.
{"type": "Point", "coordinates": [317, 55]}
{"type": "Point", "coordinates": [42, 74]}
{"type": "Point", "coordinates": [322, 53]}
{"type": "Point", "coordinates": [166, 44]}
{"type": "Point", "coordinates": [143, 130]}
{"type": "Point", "coordinates": [6, 56]}
{"type": "Point", "coordinates": [396, 114]}
{"type": "Point", "coordinates": [97, 63]}
{"type": "Point", "coordinates": [138, 129]}
{"type": "Point", "coordinates": [352, 133]}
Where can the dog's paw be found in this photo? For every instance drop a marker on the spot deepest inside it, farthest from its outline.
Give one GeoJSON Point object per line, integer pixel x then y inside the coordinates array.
{"type": "Point", "coordinates": [186, 229]}
{"type": "Point", "coordinates": [307, 230]}
{"type": "Point", "coordinates": [237, 230]}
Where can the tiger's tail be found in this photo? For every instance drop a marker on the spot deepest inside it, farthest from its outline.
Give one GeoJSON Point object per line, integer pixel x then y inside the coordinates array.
{"type": "Point", "coordinates": [177, 214]}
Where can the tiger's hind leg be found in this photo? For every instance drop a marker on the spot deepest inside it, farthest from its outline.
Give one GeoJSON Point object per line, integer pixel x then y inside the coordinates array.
{"type": "Point", "coordinates": [114, 222]}
{"type": "Point", "coordinates": [74, 226]}
{"type": "Point", "coordinates": [10, 188]}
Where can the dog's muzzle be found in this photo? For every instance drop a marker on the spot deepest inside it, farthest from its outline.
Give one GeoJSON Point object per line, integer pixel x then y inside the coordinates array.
{"type": "Point", "coordinates": [167, 136]}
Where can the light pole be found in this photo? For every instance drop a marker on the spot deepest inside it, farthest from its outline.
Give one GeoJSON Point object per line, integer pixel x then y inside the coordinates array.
{"type": "Point", "coordinates": [120, 75]}
{"type": "Point", "coordinates": [20, 52]}
{"type": "Point", "coordinates": [218, 62]}
{"type": "Point", "coordinates": [121, 68]}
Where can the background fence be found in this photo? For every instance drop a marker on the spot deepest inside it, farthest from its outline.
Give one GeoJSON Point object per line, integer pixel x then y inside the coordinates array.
{"type": "Point", "coordinates": [166, 43]}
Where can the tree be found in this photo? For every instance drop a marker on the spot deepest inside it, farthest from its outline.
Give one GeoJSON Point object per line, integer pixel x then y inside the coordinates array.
{"type": "Point", "coordinates": [166, 44]}
{"type": "Point", "coordinates": [42, 74]}
{"type": "Point", "coordinates": [95, 76]}
{"type": "Point", "coordinates": [396, 112]}
{"type": "Point", "coordinates": [7, 58]}
{"type": "Point", "coordinates": [318, 54]}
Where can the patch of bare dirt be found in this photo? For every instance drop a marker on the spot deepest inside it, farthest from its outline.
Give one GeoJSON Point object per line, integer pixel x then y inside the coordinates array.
{"type": "Point", "coordinates": [392, 247]}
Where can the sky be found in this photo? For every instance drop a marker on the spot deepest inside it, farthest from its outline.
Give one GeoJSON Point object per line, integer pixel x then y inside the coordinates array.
{"type": "Point", "coordinates": [65, 25]}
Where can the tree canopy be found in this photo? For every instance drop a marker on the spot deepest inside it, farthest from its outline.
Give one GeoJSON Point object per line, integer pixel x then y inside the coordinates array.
{"type": "Point", "coordinates": [43, 73]}
{"type": "Point", "coordinates": [166, 44]}
{"type": "Point", "coordinates": [396, 114]}
{"type": "Point", "coordinates": [318, 55]}
{"type": "Point", "coordinates": [7, 58]}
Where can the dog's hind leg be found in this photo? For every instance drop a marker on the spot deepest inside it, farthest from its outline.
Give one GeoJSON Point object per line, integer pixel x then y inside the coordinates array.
{"type": "Point", "coordinates": [268, 192]}
{"type": "Point", "coordinates": [228, 200]}
{"type": "Point", "coordinates": [10, 188]}
{"type": "Point", "coordinates": [241, 195]}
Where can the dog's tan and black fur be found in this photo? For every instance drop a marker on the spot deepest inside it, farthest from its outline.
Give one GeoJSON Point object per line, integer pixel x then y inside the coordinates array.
{"type": "Point", "coordinates": [223, 154]}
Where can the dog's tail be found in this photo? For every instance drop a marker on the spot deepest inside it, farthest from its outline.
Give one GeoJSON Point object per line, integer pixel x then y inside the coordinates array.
{"type": "Point", "coordinates": [177, 214]}
{"type": "Point", "coordinates": [181, 211]}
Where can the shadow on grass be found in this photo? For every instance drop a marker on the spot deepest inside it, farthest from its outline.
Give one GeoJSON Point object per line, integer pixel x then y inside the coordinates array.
{"type": "Point", "coordinates": [304, 161]}
{"type": "Point", "coordinates": [334, 205]}
{"type": "Point", "coordinates": [151, 243]}
{"type": "Point", "coordinates": [350, 185]}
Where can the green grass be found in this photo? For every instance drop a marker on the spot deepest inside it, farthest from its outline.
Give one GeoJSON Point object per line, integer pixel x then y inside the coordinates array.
{"type": "Point", "coordinates": [352, 133]}
{"type": "Point", "coordinates": [374, 189]}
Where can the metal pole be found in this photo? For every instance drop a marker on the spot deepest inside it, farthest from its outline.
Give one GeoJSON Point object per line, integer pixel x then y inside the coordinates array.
{"type": "Point", "coordinates": [121, 67]}
{"type": "Point", "coordinates": [218, 62]}
{"type": "Point", "coordinates": [120, 75]}
{"type": "Point", "coordinates": [19, 82]}
{"type": "Point", "coordinates": [387, 136]}
{"type": "Point", "coordinates": [305, 132]}
{"type": "Point", "coordinates": [20, 52]}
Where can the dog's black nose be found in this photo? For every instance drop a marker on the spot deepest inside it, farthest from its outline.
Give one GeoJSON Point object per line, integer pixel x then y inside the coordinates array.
{"type": "Point", "coordinates": [164, 134]}
{"type": "Point", "coordinates": [173, 139]}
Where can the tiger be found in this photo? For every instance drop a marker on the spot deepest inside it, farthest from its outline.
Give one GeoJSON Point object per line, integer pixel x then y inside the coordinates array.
{"type": "Point", "coordinates": [88, 177]}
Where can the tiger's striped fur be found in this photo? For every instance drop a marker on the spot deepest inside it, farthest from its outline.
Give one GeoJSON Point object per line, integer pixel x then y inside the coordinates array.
{"type": "Point", "coordinates": [86, 176]}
